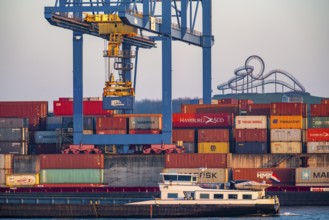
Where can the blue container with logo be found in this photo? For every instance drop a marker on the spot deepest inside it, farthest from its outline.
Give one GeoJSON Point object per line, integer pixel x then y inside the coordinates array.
{"type": "Point", "coordinates": [118, 103]}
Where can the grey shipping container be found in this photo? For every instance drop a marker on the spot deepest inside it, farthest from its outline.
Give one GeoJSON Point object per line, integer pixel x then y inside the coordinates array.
{"type": "Point", "coordinates": [312, 176]}
{"type": "Point", "coordinates": [88, 123]}
{"type": "Point", "coordinates": [54, 122]}
{"type": "Point", "coordinates": [145, 123]}
{"type": "Point", "coordinates": [286, 135]}
{"type": "Point", "coordinates": [251, 148]}
{"type": "Point", "coordinates": [45, 137]}
{"type": "Point", "coordinates": [318, 147]}
{"type": "Point", "coordinates": [14, 122]}
{"type": "Point", "coordinates": [319, 122]}
{"type": "Point", "coordinates": [26, 164]}
{"type": "Point", "coordinates": [14, 134]}
{"type": "Point", "coordinates": [13, 148]}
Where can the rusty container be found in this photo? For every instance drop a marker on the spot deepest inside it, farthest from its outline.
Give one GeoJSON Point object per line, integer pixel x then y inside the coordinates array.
{"type": "Point", "coordinates": [258, 109]}
{"type": "Point", "coordinates": [289, 108]}
{"type": "Point", "coordinates": [250, 135]}
{"type": "Point", "coordinates": [213, 135]}
{"type": "Point", "coordinates": [72, 161]}
{"type": "Point", "coordinates": [111, 123]}
{"type": "Point", "coordinates": [185, 135]}
{"type": "Point", "coordinates": [212, 160]}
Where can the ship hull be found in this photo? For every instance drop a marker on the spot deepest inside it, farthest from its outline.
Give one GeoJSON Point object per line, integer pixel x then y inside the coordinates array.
{"type": "Point", "coordinates": [133, 211]}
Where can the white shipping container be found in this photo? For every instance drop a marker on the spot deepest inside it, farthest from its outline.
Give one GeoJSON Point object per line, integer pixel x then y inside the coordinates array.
{"type": "Point", "coordinates": [145, 123]}
{"type": "Point", "coordinates": [312, 176]}
{"type": "Point", "coordinates": [210, 175]}
{"type": "Point", "coordinates": [286, 135]}
{"type": "Point", "coordinates": [250, 122]}
{"type": "Point", "coordinates": [318, 147]}
{"type": "Point", "coordinates": [286, 147]}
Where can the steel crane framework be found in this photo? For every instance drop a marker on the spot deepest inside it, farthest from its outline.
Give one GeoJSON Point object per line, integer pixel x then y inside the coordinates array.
{"type": "Point", "coordinates": [145, 16]}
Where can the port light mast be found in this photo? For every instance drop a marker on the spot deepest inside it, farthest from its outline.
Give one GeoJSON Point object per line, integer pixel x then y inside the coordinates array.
{"type": "Point", "coordinates": [141, 15]}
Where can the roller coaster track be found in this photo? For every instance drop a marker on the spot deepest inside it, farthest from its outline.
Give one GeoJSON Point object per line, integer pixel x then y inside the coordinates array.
{"type": "Point", "coordinates": [246, 78]}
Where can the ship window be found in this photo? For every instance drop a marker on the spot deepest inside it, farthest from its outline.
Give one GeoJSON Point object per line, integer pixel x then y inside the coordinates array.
{"type": "Point", "coordinates": [204, 196]}
{"type": "Point", "coordinates": [232, 196]}
{"type": "Point", "coordinates": [218, 196]}
{"type": "Point", "coordinates": [170, 177]}
{"type": "Point", "coordinates": [184, 178]}
{"type": "Point", "coordinates": [247, 196]}
{"type": "Point", "coordinates": [172, 195]}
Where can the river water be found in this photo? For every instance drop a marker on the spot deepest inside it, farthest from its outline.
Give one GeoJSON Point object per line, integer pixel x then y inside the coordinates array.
{"type": "Point", "coordinates": [286, 212]}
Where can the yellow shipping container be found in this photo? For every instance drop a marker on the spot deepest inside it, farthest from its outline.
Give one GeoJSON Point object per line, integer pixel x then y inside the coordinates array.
{"type": "Point", "coordinates": [286, 147]}
{"type": "Point", "coordinates": [14, 180]}
{"type": "Point", "coordinates": [210, 175]}
{"type": "Point", "coordinates": [287, 122]}
{"type": "Point", "coordinates": [213, 147]}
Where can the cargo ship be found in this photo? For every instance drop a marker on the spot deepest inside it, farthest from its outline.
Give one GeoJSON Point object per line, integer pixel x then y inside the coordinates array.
{"type": "Point", "coordinates": [284, 144]}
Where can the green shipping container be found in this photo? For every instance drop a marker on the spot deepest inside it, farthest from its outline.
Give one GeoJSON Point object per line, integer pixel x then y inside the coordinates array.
{"type": "Point", "coordinates": [48, 176]}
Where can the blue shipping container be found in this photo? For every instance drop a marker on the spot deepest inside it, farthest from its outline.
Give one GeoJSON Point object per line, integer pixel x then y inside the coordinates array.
{"type": "Point", "coordinates": [251, 148]}
{"type": "Point", "coordinates": [118, 103]}
{"type": "Point", "coordinates": [54, 122]}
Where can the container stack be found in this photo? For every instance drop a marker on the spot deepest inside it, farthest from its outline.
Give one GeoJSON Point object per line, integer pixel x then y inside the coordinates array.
{"type": "Point", "coordinates": [250, 135]}
{"type": "Point", "coordinates": [186, 138]}
{"type": "Point", "coordinates": [287, 124]}
{"type": "Point", "coordinates": [213, 140]}
{"type": "Point", "coordinates": [14, 135]}
{"type": "Point", "coordinates": [318, 132]}
{"type": "Point", "coordinates": [71, 170]}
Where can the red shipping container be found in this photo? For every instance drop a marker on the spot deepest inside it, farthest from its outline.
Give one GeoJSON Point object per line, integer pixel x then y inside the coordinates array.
{"type": "Point", "coordinates": [325, 101]}
{"type": "Point", "coordinates": [185, 135]}
{"type": "Point", "coordinates": [288, 108]}
{"type": "Point", "coordinates": [243, 104]}
{"type": "Point", "coordinates": [275, 176]}
{"type": "Point", "coordinates": [211, 160]}
{"type": "Point", "coordinates": [141, 131]}
{"type": "Point", "coordinates": [111, 132]}
{"type": "Point", "coordinates": [202, 120]}
{"type": "Point", "coordinates": [35, 111]}
{"type": "Point", "coordinates": [319, 110]}
{"type": "Point", "coordinates": [111, 123]}
{"type": "Point", "coordinates": [89, 108]}
{"type": "Point", "coordinates": [258, 109]}
{"type": "Point", "coordinates": [250, 135]}
{"type": "Point", "coordinates": [72, 161]}
{"type": "Point", "coordinates": [213, 135]}
{"type": "Point", "coordinates": [228, 101]}
{"type": "Point", "coordinates": [317, 134]}
{"type": "Point", "coordinates": [210, 108]}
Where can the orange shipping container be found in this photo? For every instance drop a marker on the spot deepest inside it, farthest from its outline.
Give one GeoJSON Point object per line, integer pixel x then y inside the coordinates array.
{"type": "Point", "coordinates": [293, 122]}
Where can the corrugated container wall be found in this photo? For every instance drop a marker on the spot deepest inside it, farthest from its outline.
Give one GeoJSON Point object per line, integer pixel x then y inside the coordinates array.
{"type": "Point", "coordinates": [185, 135]}
{"type": "Point", "coordinates": [14, 122]}
{"type": "Point", "coordinates": [133, 170]}
{"type": "Point", "coordinates": [250, 135]}
{"type": "Point", "coordinates": [213, 135]}
{"type": "Point", "coordinates": [319, 122]}
{"type": "Point", "coordinates": [6, 161]}
{"type": "Point", "coordinates": [111, 123]}
{"type": "Point", "coordinates": [317, 147]}
{"type": "Point", "coordinates": [72, 161]}
{"type": "Point", "coordinates": [286, 135]}
{"type": "Point", "coordinates": [318, 134]}
{"type": "Point", "coordinates": [211, 175]}
{"type": "Point", "coordinates": [14, 134]}
{"type": "Point", "coordinates": [287, 108]}
{"type": "Point", "coordinates": [285, 175]}
{"type": "Point", "coordinates": [145, 123]}
{"type": "Point", "coordinates": [312, 176]}
{"type": "Point", "coordinates": [210, 108]}
{"type": "Point", "coordinates": [13, 147]}
{"type": "Point", "coordinates": [196, 160]}
{"type": "Point", "coordinates": [26, 164]}
{"type": "Point", "coordinates": [45, 137]}
{"type": "Point", "coordinates": [54, 122]}
{"type": "Point", "coordinates": [36, 112]}
{"type": "Point", "coordinates": [287, 122]}
{"type": "Point", "coordinates": [250, 148]}
{"type": "Point", "coordinates": [210, 120]}
{"type": "Point", "coordinates": [319, 110]}
{"type": "Point", "coordinates": [213, 147]}
{"type": "Point", "coordinates": [258, 109]}
{"type": "Point", "coordinates": [250, 122]}
{"type": "Point", "coordinates": [286, 147]}
{"type": "Point", "coordinates": [71, 176]}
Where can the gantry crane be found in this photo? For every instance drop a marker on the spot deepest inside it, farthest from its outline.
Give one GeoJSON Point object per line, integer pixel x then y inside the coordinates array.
{"type": "Point", "coordinates": [143, 15]}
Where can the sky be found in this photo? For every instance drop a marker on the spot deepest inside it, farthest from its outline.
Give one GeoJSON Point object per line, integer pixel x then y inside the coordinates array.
{"type": "Point", "coordinates": [292, 35]}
